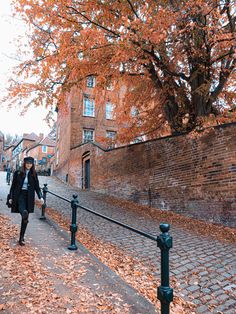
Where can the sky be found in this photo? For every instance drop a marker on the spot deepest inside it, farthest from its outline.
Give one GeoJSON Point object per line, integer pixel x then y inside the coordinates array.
{"type": "Point", "coordinates": [11, 122]}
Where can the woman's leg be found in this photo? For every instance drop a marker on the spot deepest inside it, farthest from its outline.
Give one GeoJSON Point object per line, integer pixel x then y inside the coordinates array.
{"type": "Point", "coordinates": [23, 201]}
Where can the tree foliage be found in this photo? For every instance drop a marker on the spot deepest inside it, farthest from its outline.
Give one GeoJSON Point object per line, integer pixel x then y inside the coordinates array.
{"type": "Point", "coordinates": [174, 60]}
{"type": "Point", "coordinates": [10, 139]}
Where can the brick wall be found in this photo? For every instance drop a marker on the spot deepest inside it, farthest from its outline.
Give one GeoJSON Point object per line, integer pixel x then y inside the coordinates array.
{"type": "Point", "coordinates": [77, 160]}
{"type": "Point", "coordinates": [196, 177]}
{"type": "Point", "coordinates": [37, 153]}
{"type": "Point", "coordinates": [27, 143]}
{"type": "Point", "coordinates": [63, 142]}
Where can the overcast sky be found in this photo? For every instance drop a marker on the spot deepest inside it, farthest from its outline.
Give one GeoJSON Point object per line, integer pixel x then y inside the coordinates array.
{"type": "Point", "coordinates": [10, 120]}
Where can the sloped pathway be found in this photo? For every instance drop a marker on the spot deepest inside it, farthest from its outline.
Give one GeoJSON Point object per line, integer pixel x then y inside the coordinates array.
{"type": "Point", "coordinates": [203, 266]}
{"type": "Point", "coordinates": [45, 277]}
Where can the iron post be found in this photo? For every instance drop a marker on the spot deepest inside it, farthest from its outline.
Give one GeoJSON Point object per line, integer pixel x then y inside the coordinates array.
{"type": "Point", "coordinates": [44, 205]}
{"type": "Point", "coordinates": [73, 226]}
{"type": "Point", "coordinates": [165, 293]}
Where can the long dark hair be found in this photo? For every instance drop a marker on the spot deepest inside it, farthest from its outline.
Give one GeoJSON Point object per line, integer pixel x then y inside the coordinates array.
{"type": "Point", "coordinates": [32, 169]}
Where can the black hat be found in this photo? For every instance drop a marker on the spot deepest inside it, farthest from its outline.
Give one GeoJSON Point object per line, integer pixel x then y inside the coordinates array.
{"type": "Point", "coordinates": [29, 160]}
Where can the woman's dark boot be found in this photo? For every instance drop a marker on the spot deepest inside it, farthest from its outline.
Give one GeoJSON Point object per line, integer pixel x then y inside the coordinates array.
{"type": "Point", "coordinates": [24, 223]}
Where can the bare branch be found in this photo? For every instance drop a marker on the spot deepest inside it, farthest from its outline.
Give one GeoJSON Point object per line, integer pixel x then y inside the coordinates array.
{"type": "Point", "coordinates": [224, 75]}
{"type": "Point", "coordinates": [231, 52]}
{"type": "Point", "coordinates": [132, 8]}
{"type": "Point", "coordinates": [94, 23]}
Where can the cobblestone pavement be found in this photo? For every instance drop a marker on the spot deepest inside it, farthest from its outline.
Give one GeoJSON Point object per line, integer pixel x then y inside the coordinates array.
{"type": "Point", "coordinates": [203, 267]}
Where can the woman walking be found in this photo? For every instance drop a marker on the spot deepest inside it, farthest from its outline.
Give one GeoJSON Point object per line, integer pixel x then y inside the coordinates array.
{"type": "Point", "coordinates": [22, 193]}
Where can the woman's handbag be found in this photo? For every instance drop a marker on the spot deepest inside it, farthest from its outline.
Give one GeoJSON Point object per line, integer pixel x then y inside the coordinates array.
{"type": "Point", "coordinates": [7, 203]}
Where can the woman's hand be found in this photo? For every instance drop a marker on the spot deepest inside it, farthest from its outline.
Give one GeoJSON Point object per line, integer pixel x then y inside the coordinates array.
{"type": "Point", "coordinates": [41, 201]}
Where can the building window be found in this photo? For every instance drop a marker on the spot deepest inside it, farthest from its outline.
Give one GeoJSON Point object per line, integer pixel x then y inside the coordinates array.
{"type": "Point", "coordinates": [89, 107]}
{"type": "Point", "coordinates": [109, 111]}
{"type": "Point", "coordinates": [88, 135]}
{"type": "Point", "coordinates": [80, 56]}
{"type": "Point", "coordinates": [90, 81]}
{"type": "Point", "coordinates": [134, 112]}
{"type": "Point", "coordinates": [138, 139]}
{"type": "Point", "coordinates": [44, 149]}
{"type": "Point", "coordinates": [109, 85]}
{"type": "Point", "coordinates": [111, 134]}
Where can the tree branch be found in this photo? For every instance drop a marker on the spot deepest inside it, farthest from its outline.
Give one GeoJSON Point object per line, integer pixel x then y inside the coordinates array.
{"type": "Point", "coordinates": [92, 22]}
{"type": "Point", "coordinates": [222, 80]}
{"type": "Point", "coordinates": [231, 52]}
{"type": "Point", "coordinates": [132, 8]}
{"type": "Point", "coordinates": [164, 67]}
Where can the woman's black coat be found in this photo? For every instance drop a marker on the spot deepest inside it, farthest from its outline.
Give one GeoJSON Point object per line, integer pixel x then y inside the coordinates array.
{"type": "Point", "coordinates": [17, 183]}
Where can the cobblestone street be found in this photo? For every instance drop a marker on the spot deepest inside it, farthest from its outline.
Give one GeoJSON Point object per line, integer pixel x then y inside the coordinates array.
{"type": "Point", "coordinates": [203, 267]}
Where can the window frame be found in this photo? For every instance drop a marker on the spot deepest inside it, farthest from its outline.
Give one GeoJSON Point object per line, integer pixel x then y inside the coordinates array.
{"type": "Point", "coordinates": [93, 135]}
{"type": "Point", "coordinates": [111, 140]}
{"type": "Point", "coordinates": [45, 152]}
{"type": "Point", "coordinates": [109, 114]}
{"type": "Point", "coordinates": [91, 81]}
{"type": "Point", "coordinates": [92, 106]}
{"type": "Point", "coordinates": [109, 131]}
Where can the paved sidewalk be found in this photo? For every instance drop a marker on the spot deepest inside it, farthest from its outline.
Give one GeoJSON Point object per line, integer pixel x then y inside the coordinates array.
{"type": "Point", "coordinates": [203, 266]}
{"type": "Point", "coordinates": [96, 280]}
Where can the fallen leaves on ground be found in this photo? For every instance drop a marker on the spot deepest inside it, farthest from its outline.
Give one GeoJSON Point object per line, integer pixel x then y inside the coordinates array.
{"type": "Point", "coordinates": [129, 269]}
{"type": "Point", "coordinates": [219, 232]}
{"type": "Point", "coordinates": [29, 286]}
{"type": "Point", "coordinates": [24, 282]}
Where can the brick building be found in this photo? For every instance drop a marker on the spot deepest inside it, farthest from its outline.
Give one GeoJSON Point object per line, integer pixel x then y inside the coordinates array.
{"type": "Point", "coordinates": [8, 156]}
{"type": "Point", "coordinates": [42, 152]}
{"type": "Point", "coordinates": [191, 176]}
{"type": "Point", "coordinates": [87, 117]}
{"type": "Point", "coordinates": [194, 176]}
{"type": "Point", "coordinates": [19, 151]}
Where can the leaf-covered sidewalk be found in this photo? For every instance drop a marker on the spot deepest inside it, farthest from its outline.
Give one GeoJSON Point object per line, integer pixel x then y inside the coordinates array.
{"type": "Point", "coordinates": [44, 278]}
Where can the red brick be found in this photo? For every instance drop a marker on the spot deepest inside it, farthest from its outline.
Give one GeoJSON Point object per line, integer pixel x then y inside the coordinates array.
{"type": "Point", "coordinates": [180, 173]}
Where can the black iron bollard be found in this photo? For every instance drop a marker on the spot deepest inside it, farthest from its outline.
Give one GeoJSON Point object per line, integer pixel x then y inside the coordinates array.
{"type": "Point", "coordinates": [165, 293]}
{"type": "Point", "coordinates": [73, 226]}
{"type": "Point", "coordinates": [45, 190]}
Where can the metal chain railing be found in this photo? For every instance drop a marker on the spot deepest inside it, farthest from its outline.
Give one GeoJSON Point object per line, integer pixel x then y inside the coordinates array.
{"type": "Point", "coordinates": [164, 242]}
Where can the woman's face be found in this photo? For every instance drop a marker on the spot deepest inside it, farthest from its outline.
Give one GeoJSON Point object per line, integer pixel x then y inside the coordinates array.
{"type": "Point", "coordinates": [28, 165]}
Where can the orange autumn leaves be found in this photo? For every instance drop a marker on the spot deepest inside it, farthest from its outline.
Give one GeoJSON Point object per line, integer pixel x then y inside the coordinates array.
{"type": "Point", "coordinates": [38, 281]}
{"type": "Point", "coordinates": [33, 281]}
{"type": "Point", "coordinates": [174, 61]}
{"type": "Point", "coordinates": [129, 269]}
